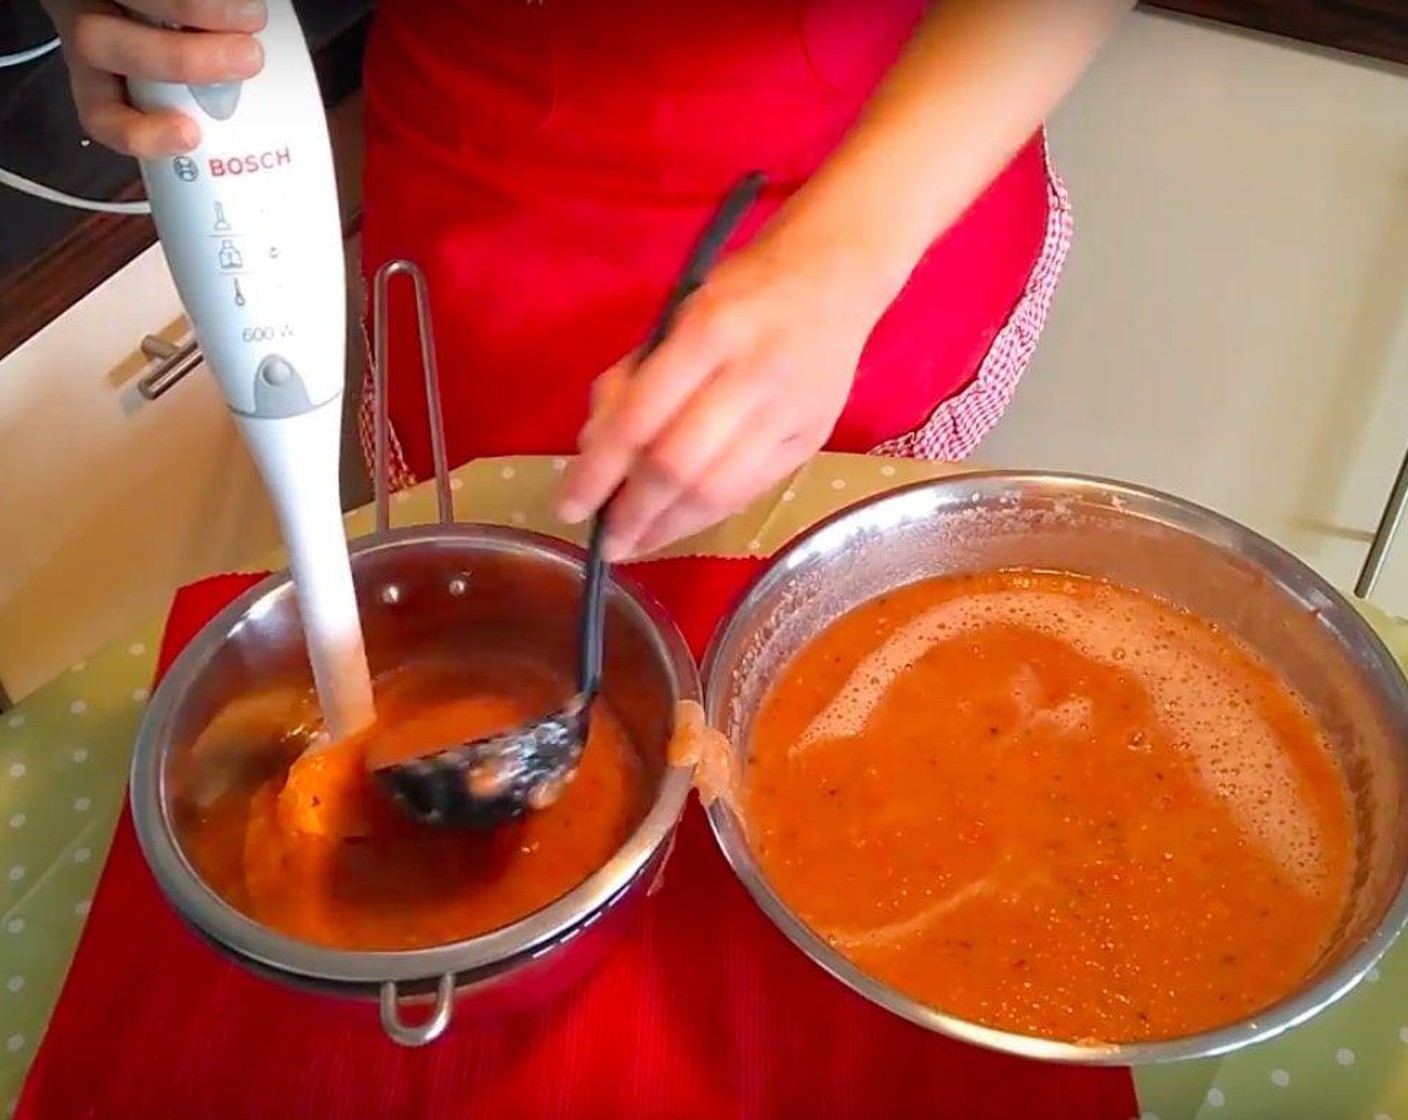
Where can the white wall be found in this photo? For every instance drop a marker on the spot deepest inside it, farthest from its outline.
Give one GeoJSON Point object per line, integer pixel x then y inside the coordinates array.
{"type": "Point", "coordinates": [1234, 320]}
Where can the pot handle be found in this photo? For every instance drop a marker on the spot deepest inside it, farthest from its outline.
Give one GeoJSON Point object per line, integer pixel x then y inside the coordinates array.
{"type": "Point", "coordinates": [417, 1034]}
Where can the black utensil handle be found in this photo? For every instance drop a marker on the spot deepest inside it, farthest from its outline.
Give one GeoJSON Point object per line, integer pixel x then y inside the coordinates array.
{"type": "Point", "coordinates": [705, 254]}
{"type": "Point", "coordinates": [702, 258]}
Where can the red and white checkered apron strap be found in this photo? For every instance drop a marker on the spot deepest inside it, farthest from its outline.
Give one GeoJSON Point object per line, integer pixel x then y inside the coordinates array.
{"type": "Point", "coordinates": [956, 427]}
{"type": "Point", "coordinates": [398, 475]}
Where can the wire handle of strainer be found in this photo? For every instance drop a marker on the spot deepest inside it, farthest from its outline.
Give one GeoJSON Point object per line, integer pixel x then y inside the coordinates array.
{"type": "Point", "coordinates": [381, 417]}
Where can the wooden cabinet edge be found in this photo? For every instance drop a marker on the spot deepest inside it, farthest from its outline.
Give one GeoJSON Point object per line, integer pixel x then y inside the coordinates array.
{"type": "Point", "coordinates": [1375, 29]}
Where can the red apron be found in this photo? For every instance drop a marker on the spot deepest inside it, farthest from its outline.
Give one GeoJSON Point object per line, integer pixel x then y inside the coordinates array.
{"type": "Point", "coordinates": [549, 164]}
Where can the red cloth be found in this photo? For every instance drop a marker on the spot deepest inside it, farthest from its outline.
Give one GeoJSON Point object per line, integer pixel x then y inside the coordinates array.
{"type": "Point", "coordinates": [704, 1010]}
{"type": "Point", "coordinates": [549, 165]}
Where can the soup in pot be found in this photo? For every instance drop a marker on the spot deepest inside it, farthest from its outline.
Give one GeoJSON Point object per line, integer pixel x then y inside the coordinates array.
{"type": "Point", "coordinates": [318, 851]}
{"type": "Point", "coordinates": [1052, 806]}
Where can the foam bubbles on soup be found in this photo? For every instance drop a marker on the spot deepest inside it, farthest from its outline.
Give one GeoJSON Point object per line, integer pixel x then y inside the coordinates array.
{"type": "Point", "coordinates": [1056, 784]}
{"type": "Point", "coordinates": [1174, 658]}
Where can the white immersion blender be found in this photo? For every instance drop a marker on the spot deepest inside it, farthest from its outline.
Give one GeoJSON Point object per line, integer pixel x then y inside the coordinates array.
{"type": "Point", "coordinates": [250, 227]}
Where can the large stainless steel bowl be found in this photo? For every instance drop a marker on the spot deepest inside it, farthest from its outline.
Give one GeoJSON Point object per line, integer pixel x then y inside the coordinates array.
{"type": "Point", "coordinates": [420, 590]}
{"type": "Point", "coordinates": [1152, 542]}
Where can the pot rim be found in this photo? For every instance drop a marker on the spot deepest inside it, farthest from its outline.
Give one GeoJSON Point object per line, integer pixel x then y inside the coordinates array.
{"type": "Point", "coordinates": [216, 919]}
{"type": "Point", "coordinates": [1375, 664]}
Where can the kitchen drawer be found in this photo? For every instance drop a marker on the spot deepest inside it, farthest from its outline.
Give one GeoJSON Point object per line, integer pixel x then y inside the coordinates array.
{"type": "Point", "coordinates": [109, 501]}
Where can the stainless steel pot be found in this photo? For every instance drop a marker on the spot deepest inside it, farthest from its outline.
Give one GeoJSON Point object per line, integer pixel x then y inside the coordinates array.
{"type": "Point", "coordinates": [419, 589]}
{"type": "Point", "coordinates": [1144, 540]}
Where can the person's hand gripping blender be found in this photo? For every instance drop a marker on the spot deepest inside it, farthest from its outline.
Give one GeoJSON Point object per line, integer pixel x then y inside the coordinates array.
{"type": "Point", "coordinates": [547, 165]}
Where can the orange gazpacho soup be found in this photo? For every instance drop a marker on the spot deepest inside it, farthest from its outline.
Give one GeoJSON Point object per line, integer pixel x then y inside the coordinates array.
{"type": "Point", "coordinates": [319, 852]}
{"type": "Point", "coordinates": [1053, 806]}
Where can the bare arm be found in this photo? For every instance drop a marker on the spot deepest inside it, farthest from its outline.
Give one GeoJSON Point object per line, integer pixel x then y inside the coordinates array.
{"type": "Point", "coordinates": [973, 85]}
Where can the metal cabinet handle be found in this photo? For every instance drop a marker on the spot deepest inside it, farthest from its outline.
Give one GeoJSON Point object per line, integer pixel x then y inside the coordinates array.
{"type": "Point", "coordinates": [176, 362]}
